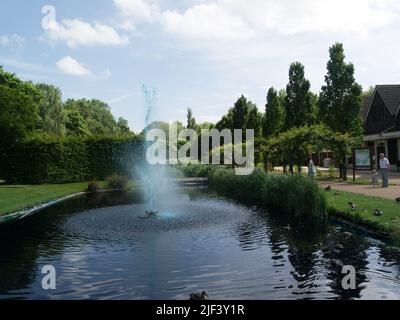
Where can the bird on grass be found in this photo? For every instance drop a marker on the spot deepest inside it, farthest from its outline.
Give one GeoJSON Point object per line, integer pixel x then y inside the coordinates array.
{"type": "Point", "coordinates": [378, 213]}
{"type": "Point", "coordinates": [328, 188]}
{"type": "Point", "coordinates": [199, 296]}
{"type": "Point", "coordinates": [336, 193]}
{"type": "Point", "coordinates": [353, 206]}
{"type": "Point", "coordinates": [398, 199]}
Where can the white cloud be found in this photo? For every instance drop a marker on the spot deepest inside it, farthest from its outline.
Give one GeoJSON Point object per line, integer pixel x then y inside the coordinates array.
{"type": "Point", "coordinates": [205, 22]}
{"type": "Point", "coordinates": [139, 10]}
{"type": "Point", "coordinates": [329, 16]}
{"type": "Point", "coordinates": [237, 19]}
{"type": "Point", "coordinates": [72, 67]}
{"type": "Point", "coordinates": [80, 33]}
{"type": "Point", "coordinates": [13, 40]}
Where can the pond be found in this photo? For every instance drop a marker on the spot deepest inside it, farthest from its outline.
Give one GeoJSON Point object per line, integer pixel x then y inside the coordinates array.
{"type": "Point", "coordinates": [102, 248]}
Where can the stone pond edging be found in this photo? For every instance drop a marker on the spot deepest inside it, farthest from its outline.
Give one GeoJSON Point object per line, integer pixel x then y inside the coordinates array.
{"type": "Point", "coordinates": [24, 213]}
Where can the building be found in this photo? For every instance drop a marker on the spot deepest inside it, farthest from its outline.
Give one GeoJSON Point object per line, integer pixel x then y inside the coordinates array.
{"type": "Point", "coordinates": [382, 122]}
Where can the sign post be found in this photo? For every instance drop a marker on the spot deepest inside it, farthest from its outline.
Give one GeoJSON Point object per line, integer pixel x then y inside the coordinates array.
{"type": "Point", "coordinates": [362, 160]}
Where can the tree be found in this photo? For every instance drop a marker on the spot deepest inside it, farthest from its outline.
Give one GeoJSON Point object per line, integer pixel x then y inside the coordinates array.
{"type": "Point", "coordinates": [274, 115]}
{"type": "Point", "coordinates": [191, 121]}
{"type": "Point", "coordinates": [368, 92]}
{"type": "Point", "coordinates": [123, 127]}
{"type": "Point", "coordinates": [239, 113]}
{"type": "Point", "coordinates": [19, 111]}
{"type": "Point", "coordinates": [340, 100]}
{"type": "Point", "coordinates": [51, 111]}
{"type": "Point", "coordinates": [96, 114]}
{"type": "Point", "coordinates": [76, 124]}
{"type": "Point", "coordinates": [298, 109]}
{"type": "Point", "coordinates": [254, 119]}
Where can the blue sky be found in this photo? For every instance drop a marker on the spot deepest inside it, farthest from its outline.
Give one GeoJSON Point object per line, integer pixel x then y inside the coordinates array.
{"type": "Point", "coordinates": [198, 54]}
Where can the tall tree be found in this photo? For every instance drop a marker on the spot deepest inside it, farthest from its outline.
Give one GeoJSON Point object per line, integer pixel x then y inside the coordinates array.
{"type": "Point", "coordinates": [51, 111]}
{"type": "Point", "coordinates": [273, 118]}
{"type": "Point", "coordinates": [340, 99]}
{"type": "Point", "coordinates": [191, 121]}
{"type": "Point", "coordinates": [254, 119]}
{"type": "Point", "coordinates": [239, 113]}
{"type": "Point", "coordinates": [298, 108]}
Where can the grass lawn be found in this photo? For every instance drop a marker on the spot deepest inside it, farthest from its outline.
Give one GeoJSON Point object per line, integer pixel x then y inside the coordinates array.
{"type": "Point", "coordinates": [14, 198]}
{"type": "Point", "coordinates": [389, 222]}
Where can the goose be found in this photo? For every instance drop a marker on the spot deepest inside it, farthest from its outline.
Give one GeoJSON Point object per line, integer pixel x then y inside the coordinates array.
{"type": "Point", "coordinates": [378, 213]}
{"type": "Point", "coordinates": [199, 296]}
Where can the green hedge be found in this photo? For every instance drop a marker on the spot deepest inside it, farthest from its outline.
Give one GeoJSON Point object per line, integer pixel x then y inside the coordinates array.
{"type": "Point", "coordinates": [71, 159]}
{"type": "Point", "coordinates": [291, 194]}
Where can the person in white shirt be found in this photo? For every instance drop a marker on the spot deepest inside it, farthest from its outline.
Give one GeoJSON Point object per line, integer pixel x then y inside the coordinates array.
{"type": "Point", "coordinates": [384, 166]}
{"type": "Point", "coordinates": [311, 168]}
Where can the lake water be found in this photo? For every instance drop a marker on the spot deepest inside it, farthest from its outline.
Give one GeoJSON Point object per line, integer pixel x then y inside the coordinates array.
{"type": "Point", "coordinates": [101, 248]}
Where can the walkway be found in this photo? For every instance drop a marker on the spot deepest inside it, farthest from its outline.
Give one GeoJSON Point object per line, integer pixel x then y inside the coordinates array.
{"type": "Point", "coordinates": [391, 193]}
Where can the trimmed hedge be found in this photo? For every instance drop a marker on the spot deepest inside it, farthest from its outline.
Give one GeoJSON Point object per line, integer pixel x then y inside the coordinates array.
{"type": "Point", "coordinates": [290, 194]}
{"type": "Point", "coordinates": [71, 159]}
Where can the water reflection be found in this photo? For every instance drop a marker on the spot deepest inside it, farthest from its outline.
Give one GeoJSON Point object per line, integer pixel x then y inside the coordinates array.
{"type": "Point", "coordinates": [103, 250]}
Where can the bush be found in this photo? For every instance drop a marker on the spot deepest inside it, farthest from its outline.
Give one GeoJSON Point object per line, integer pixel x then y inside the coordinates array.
{"type": "Point", "coordinates": [291, 194]}
{"type": "Point", "coordinates": [195, 170]}
{"type": "Point", "coordinates": [332, 171]}
{"type": "Point", "coordinates": [45, 159]}
{"type": "Point", "coordinates": [93, 186]}
{"type": "Point", "coordinates": [117, 182]}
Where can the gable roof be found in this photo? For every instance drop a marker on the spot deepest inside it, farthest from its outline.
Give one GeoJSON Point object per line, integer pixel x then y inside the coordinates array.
{"type": "Point", "coordinates": [390, 94]}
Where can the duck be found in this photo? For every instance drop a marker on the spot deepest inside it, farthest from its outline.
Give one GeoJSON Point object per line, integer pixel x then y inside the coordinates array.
{"type": "Point", "coordinates": [353, 206]}
{"type": "Point", "coordinates": [151, 213]}
{"type": "Point", "coordinates": [398, 199]}
{"type": "Point", "coordinates": [336, 193]}
{"type": "Point", "coordinates": [199, 296]}
{"type": "Point", "coordinates": [328, 188]}
{"type": "Point", "coordinates": [378, 213]}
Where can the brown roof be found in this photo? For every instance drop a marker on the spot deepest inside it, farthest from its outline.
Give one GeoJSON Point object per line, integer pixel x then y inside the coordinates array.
{"type": "Point", "coordinates": [390, 94]}
{"type": "Point", "coordinates": [366, 103]}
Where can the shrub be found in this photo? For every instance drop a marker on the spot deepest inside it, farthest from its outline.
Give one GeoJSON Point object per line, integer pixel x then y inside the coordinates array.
{"type": "Point", "coordinates": [292, 194]}
{"type": "Point", "coordinates": [332, 171]}
{"type": "Point", "coordinates": [195, 170]}
{"type": "Point", "coordinates": [93, 186]}
{"type": "Point", "coordinates": [117, 182]}
{"type": "Point", "coordinates": [44, 159]}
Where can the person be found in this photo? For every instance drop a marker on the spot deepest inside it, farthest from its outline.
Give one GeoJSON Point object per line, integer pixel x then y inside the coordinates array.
{"type": "Point", "coordinates": [311, 168]}
{"type": "Point", "coordinates": [375, 179]}
{"type": "Point", "coordinates": [384, 166]}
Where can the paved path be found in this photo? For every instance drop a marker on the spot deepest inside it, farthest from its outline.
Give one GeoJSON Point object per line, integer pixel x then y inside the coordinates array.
{"type": "Point", "coordinates": [392, 192]}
